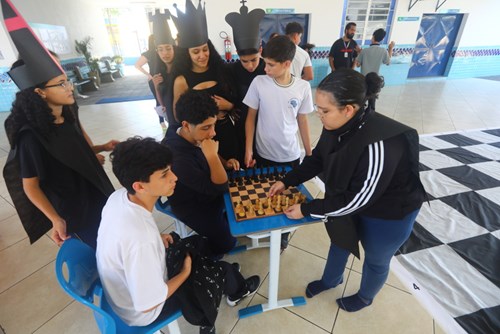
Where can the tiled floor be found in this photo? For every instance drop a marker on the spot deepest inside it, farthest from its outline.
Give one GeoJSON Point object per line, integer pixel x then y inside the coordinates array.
{"type": "Point", "coordinates": [32, 302]}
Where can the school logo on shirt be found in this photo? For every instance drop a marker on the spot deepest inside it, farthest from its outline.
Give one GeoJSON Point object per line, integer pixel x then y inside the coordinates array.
{"type": "Point", "coordinates": [294, 103]}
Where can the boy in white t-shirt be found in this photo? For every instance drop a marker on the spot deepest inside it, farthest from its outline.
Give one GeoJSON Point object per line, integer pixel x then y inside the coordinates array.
{"type": "Point", "coordinates": [282, 103]}
{"type": "Point", "coordinates": [130, 249]}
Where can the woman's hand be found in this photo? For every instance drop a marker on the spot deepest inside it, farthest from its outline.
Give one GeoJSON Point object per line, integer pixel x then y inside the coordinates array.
{"type": "Point", "coordinates": [59, 231]}
{"type": "Point", "coordinates": [167, 239]}
{"type": "Point", "coordinates": [232, 164]}
{"type": "Point", "coordinates": [110, 145]}
{"type": "Point", "coordinates": [294, 212]}
{"type": "Point", "coordinates": [157, 79]}
{"type": "Point", "coordinates": [222, 103]}
{"type": "Point", "coordinates": [100, 158]}
{"type": "Point", "coordinates": [276, 189]}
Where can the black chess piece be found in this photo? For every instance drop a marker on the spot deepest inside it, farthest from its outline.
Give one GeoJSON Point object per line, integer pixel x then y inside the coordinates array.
{"type": "Point", "coordinates": [239, 179]}
{"type": "Point", "coordinates": [255, 177]}
{"type": "Point", "coordinates": [270, 175]}
{"type": "Point", "coordinates": [248, 178]}
{"type": "Point", "coordinates": [232, 183]}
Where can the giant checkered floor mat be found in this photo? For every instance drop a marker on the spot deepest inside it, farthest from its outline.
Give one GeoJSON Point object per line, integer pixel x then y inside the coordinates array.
{"type": "Point", "coordinates": [453, 254]}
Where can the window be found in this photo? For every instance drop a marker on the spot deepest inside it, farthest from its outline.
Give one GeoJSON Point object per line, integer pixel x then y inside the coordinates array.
{"type": "Point", "coordinates": [369, 15]}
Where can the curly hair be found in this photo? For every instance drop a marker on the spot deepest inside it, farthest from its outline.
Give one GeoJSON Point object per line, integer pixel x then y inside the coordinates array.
{"type": "Point", "coordinates": [136, 159]}
{"type": "Point", "coordinates": [30, 109]}
{"type": "Point", "coordinates": [195, 107]}
{"type": "Point", "coordinates": [183, 64]}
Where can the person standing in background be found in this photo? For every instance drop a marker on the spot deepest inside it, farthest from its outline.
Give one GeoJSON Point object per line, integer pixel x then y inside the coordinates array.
{"type": "Point", "coordinates": [374, 56]}
{"type": "Point", "coordinates": [151, 58]}
{"type": "Point", "coordinates": [301, 64]}
{"type": "Point", "coordinates": [345, 50]}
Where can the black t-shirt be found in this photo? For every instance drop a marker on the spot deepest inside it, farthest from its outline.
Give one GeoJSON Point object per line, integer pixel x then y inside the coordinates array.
{"type": "Point", "coordinates": [75, 199]}
{"type": "Point", "coordinates": [343, 53]}
{"type": "Point", "coordinates": [243, 79]}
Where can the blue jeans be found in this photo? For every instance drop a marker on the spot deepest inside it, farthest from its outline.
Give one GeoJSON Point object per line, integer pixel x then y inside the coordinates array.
{"type": "Point", "coordinates": [380, 238]}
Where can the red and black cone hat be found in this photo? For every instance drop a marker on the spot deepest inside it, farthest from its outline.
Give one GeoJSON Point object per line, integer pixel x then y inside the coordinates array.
{"type": "Point", "coordinates": [39, 66]}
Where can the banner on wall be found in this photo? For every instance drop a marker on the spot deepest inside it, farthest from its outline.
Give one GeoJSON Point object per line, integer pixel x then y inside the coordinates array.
{"type": "Point", "coordinates": [55, 38]}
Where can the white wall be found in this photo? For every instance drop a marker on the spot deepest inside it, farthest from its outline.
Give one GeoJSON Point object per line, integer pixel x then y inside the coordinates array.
{"type": "Point", "coordinates": [80, 17]}
{"type": "Point", "coordinates": [85, 18]}
{"type": "Point", "coordinates": [481, 28]}
{"type": "Point", "coordinates": [325, 20]}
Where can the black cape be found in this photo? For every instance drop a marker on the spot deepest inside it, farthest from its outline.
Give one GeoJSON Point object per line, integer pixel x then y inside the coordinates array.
{"type": "Point", "coordinates": [82, 161]}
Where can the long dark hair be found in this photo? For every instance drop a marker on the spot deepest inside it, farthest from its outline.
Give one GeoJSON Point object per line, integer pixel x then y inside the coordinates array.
{"type": "Point", "coordinates": [348, 86]}
{"type": "Point", "coordinates": [182, 64]}
{"type": "Point", "coordinates": [30, 109]}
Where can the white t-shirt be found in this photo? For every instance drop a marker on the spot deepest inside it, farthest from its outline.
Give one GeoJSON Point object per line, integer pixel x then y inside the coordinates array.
{"type": "Point", "coordinates": [278, 108]}
{"type": "Point", "coordinates": [131, 260]}
{"type": "Point", "coordinates": [300, 61]}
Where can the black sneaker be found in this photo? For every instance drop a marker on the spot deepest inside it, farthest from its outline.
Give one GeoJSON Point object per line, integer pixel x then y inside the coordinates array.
{"type": "Point", "coordinates": [207, 330]}
{"type": "Point", "coordinates": [236, 266]}
{"type": "Point", "coordinates": [284, 240]}
{"type": "Point", "coordinates": [252, 285]}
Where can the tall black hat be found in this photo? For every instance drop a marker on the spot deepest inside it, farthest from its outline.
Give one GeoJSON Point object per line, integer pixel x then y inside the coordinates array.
{"type": "Point", "coordinates": [161, 29]}
{"type": "Point", "coordinates": [39, 65]}
{"type": "Point", "coordinates": [246, 27]}
{"type": "Point", "coordinates": [191, 25]}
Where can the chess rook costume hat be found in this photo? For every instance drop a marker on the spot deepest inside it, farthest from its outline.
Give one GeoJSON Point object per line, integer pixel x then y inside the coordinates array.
{"type": "Point", "coordinates": [191, 25]}
{"type": "Point", "coordinates": [161, 29]}
{"type": "Point", "coordinates": [39, 65]}
{"type": "Point", "coordinates": [246, 27]}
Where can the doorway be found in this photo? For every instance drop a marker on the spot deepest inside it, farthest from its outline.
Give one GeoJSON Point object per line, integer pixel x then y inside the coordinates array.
{"type": "Point", "coordinates": [277, 23]}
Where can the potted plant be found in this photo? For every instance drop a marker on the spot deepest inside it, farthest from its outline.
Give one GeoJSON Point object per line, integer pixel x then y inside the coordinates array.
{"type": "Point", "coordinates": [119, 63]}
{"type": "Point", "coordinates": [84, 48]}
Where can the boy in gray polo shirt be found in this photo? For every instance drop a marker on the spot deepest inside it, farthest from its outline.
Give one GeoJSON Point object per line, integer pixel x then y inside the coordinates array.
{"type": "Point", "coordinates": [371, 58]}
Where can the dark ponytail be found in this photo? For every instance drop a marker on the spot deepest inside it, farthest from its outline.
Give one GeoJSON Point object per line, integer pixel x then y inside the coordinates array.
{"type": "Point", "coordinates": [374, 84]}
{"type": "Point", "coordinates": [348, 86]}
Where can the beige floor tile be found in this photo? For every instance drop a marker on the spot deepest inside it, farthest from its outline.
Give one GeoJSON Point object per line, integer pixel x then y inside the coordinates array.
{"type": "Point", "coordinates": [313, 239]}
{"type": "Point", "coordinates": [32, 302]}
{"type": "Point", "coordinates": [11, 231]}
{"type": "Point", "coordinates": [74, 319]}
{"type": "Point", "coordinates": [6, 209]}
{"type": "Point", "coordinates": [276, 322]}
{"type": "Point", "coordinates": [22, 259]}
{"type": "Point", "coordinates": [252, 262]}
{"type": "Point", "coordinates": [392, 280]}
{"type": "Point", "coordinates": [393, 311]}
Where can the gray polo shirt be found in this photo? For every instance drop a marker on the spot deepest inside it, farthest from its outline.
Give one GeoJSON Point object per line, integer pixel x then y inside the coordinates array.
{"type": "Point", "coordinates": [371, 58]}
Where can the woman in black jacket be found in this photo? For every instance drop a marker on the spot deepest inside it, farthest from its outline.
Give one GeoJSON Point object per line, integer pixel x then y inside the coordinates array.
{"type": "Point", "coordinates": [372, 188]}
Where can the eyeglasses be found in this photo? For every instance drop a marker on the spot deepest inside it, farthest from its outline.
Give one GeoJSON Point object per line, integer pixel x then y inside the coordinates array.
{"type": "Point", "coordinates": [65, 85]}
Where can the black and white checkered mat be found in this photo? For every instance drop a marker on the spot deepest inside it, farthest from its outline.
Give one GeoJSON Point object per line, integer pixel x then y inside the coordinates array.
{"type": "Point", "coordinates": [451, 262]}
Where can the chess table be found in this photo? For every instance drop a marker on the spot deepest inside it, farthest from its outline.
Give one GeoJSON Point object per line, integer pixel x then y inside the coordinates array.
{"type": "Point", "coordinates": [273, 224]}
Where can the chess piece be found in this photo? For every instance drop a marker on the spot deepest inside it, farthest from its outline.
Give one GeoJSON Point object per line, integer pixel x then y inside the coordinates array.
{"type": "Point", "coordinates": [269, 203]}
{"type": "Point", "coordinates": [255, 176]}
{"type": "Point", "coordinates": [261, 209]}
{"type": "Point", "coordinates": [287, 202]}
{"type": "Point", "coordinates": [278, 204]}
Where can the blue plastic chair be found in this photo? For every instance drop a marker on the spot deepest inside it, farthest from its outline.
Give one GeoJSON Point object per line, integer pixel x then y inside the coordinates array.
{"type": "Point", "coordinates": [83, 284]}
{"type": "Point", "coordinates": [180, 227]}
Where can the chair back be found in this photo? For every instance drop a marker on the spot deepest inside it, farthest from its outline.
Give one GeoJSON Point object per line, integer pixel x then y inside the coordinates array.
{"type": "Point", "coordinates": [76, 272]}
{"type": "Point", "coordinates": [81, 280]}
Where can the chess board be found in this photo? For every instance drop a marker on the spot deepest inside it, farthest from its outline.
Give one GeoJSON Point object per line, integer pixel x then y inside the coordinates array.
{"type": "Point", "coordinates": [451, 262]}
{"type": "Point", "coordinates": [248, 189]}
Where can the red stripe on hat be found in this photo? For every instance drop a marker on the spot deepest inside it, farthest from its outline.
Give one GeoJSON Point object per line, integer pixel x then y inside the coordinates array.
{"type": "Point", "coordinates": [15, 23]}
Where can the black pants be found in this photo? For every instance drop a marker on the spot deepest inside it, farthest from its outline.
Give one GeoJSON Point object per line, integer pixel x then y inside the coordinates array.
{"type": "Point", "coordinates": [262, 162]}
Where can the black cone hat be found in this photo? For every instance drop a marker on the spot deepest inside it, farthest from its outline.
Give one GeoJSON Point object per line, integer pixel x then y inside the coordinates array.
{"type": "Point", "coordinates": [39, 66]}
{"type": "Point", "coordinates": [246, 27]}
{"type": "Point", "coordinates": [191, 25]}
{"type": "Point", "coordinates": [161, 29]}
